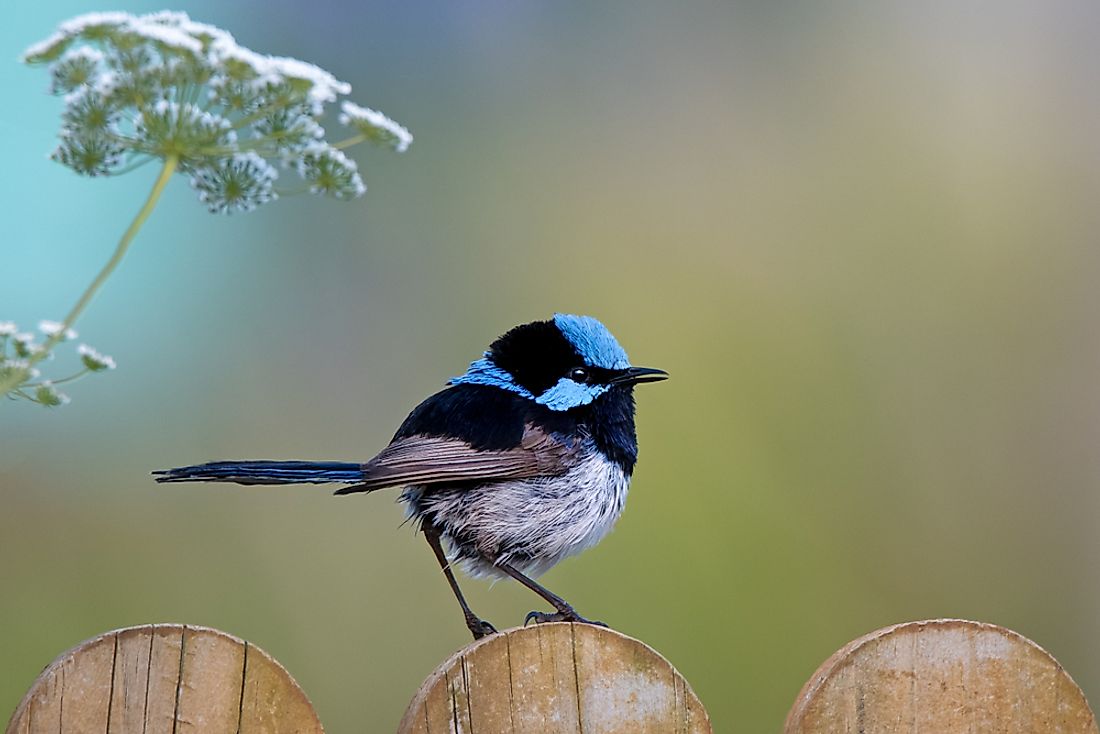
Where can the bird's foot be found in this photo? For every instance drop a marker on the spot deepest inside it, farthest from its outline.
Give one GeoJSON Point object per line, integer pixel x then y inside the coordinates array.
{"type": "Point", "coordinates": [480, 628]}
{"type": "Point", "coordinates": [560, 616]}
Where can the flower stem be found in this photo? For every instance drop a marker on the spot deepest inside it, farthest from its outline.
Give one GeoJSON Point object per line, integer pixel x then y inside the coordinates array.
{"type": "Point", "coordinates": [348, 142]}
{"type": "Point", "coordinates": [62, 381]}
{"type": "Point", "coordinates": [166, 172]}
{"type": "Point", "coordinates": [123, 245]}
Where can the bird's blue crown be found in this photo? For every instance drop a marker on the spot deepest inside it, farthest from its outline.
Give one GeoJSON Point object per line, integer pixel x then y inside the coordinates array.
{"type": "Point", "coordinates": [593, 342]}
{"type": "Point", "coordinates": [535, 360]}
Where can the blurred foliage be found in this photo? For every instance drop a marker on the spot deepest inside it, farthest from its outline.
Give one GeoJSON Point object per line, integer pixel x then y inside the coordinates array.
{"type": "Point", "coordinates": [861, 237]}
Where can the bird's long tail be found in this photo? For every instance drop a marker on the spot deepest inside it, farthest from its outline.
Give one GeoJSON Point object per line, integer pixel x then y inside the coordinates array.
{"type": "Point", "coordinates": [266, 472]}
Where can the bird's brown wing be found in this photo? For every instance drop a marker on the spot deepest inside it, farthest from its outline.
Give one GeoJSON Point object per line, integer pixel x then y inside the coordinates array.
{"type": "Point", "coordinates": [435, 459]}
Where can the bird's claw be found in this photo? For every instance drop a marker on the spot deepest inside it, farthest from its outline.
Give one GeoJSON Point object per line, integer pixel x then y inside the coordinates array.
{"type": "Point", "coordinates": [480, 628]}
{"type": "Point", "coordinates": [569, 616]}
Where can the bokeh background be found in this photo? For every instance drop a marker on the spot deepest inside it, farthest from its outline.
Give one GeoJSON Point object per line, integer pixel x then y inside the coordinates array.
{"type": "Point", "coordinates": [861, 236]}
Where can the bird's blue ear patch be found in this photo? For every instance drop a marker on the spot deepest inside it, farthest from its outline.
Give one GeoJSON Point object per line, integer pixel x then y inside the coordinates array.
{"type": "Point", "coordinates": [484, 372]}
{"type": "Point", "coordinates": [566, 395]}
{"type": "Point", "coordinates": [593, 342]}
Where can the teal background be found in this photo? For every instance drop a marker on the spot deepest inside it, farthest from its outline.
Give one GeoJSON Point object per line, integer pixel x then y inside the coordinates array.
{"type": "Point", "coordinates": [862, 237]}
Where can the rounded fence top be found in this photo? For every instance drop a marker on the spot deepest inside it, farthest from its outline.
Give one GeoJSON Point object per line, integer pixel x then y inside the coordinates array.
{"type": "Point", "coordinates": [558, 678]}
{"type": "Point", "coordinates": [164, 679]}
{"type": "Point", "coordinates": [947, 676]}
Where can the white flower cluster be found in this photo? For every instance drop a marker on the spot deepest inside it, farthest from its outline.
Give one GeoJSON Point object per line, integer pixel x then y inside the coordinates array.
{"type": "Point", "coordinates": [375, 126]}
{"type": "Point", "coordinates": [93, 360]}
{"type": "Point", "coordinates": [20, 350]}
{"type": "Point", "coordinates": [161, 85]}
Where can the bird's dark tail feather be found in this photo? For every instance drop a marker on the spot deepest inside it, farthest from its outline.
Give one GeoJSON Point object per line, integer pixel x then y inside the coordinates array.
{"type": "Point", "coordinates": [266, 472]}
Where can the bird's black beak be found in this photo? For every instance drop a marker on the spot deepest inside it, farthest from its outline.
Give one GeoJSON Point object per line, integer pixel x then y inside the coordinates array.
{"type": "Point", "coordinates": [636, 375]}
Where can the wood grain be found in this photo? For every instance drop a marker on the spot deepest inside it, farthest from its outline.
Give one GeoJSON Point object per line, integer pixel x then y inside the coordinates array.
{"type": "Point", "coordinates": [556, 679]}
{"type": "Point", "coordinates": [164, 679]}
{"type": "Point", "coordinates": [932, 677]}
{"type": "Point", "coordinates": [944, 676]}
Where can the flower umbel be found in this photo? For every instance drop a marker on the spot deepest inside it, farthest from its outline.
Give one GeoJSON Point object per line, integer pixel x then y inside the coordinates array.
{"type": "Point", "coordinates": [93, 360]}
{"type": "Point", "coordinates": [162, 85]}
{"type": "Point", "coordinates": [241, 183]}
{"type": "Point", "coordinates": [375, 126]}
{"type": "Point", "coordinates": [19, 351]}
{"type": "Point", "coordinates": [330, 172]}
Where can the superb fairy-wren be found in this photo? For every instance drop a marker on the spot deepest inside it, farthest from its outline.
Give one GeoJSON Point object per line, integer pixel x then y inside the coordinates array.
{"type": "Point", "coordinates": [523, 460]}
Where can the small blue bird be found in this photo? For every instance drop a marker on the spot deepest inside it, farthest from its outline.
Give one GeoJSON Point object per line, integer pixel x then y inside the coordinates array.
{"type": "Point", "coordinates": [522, 461]}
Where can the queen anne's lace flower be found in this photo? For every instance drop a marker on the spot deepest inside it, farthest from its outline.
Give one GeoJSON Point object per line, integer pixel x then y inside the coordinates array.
{"type": "Point", "coordinates": [50, 396]}
{"type": "Point", "coordinates": [330, 172]}
{"type": "Point", "coordinates": [56, 328]}
{"type": "Point", "coordinates": [91, 155]}
{"type": "Point", "coordinates": [241, 183]}
{"type": "Point", "coordinates": [77, 67]}
{"type": "Point", "coordinates": [169, 128]}
{"type": "Point", "coordinates": [90, 111]}
{"type": "Point", "coordinates": [162, 85]}
{"type": "Point", "coordinates": [373, 125]}
{"type": "Point", "coordinates": [290, 130]}
{"type": "Point", "coordinates": [93, 360]}
{"type": "Point", "coordinates": [19, 352]}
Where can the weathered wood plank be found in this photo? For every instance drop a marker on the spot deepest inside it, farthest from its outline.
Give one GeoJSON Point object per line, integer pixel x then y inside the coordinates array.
{"type": "Point", "coordinates": [543, 680]}
{"type": "Point", "coordinates": [211, 682]}
{"type": "Point", "coordinates": [42, 705]}
{"type": "Point", "coordinates": [941, 677]}
{"type": "Point", "coordinates": [556, 679]}
{"type": "Point", "coordinates": [629, 688]}
{"type": "Point", "coordinates": [131, 686]}
{"type": "Point", "coordinates": [273, 703]}
{"type": "Point", "coordinates": [489, 711]}
{"type": "Point", "coordinates": [72, 693]}
{"type": "Point", "coordinates": [87, 676]}
{"type": "Point", "coordinates": [164, 679]}
{"type": "Point", "coordinates": [438, 710]}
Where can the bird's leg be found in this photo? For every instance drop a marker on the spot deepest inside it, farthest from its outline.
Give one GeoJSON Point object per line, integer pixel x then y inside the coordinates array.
{"type": "Point", "coordinates": [478, 627]}
{"type": "Point", "coordinates": [565, 613]}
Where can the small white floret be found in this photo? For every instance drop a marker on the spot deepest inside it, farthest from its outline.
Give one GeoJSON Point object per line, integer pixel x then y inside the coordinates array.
{"type": "Point", "coordinates": [52, 328]}
{"type": "Point", "coordinates": [83, 53]}
{"type": "Point", "coordinates": [79, 24]}
{"type": "Point", "coordinates": [165, 35]}
{"type": "Point", "coordinates": [324, 86]}
{"type": "Point", "coordinates": [20, 367]}
{"type": "Point", "coordinates": [42, 47]}
{"type": "Point", "coordinates": [375, 124]}
{"type": "Point", "coordinates": [50, 396]}
{"type": "Point", "coordinates": [93, 360]}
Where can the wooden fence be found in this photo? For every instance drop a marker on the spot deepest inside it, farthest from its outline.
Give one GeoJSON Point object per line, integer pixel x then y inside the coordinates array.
{"type": "Point", "coordinates": [933, 677]}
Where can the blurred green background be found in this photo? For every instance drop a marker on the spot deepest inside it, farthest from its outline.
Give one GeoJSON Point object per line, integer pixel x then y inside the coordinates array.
{"type": "Point", "coordinates": [862, 237]}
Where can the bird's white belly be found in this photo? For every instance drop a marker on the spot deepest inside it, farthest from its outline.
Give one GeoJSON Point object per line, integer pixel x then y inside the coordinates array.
{"type": "Point", "coordinates": [529, 523]}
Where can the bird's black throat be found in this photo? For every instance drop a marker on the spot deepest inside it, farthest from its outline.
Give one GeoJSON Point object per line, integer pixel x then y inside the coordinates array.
{"type": "Point", "coordinates": [610, 422]}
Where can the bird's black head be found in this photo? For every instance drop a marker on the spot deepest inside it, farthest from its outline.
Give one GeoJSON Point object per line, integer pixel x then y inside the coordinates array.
{"type": "Point", "coordinates": [563, 363]}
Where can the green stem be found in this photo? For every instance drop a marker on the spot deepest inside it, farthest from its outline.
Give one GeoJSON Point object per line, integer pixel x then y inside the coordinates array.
{"type": "Point", "coordinates": [62, 381]}
{"type": "Point", "coordinates": [19, 393]}
{"type": "Point", "coordinates": [139, 161]}
{"type": "Point", "coordinates": [348, 142]}
{"type": "Point", "coordinates": [120, 251]}
{"type": "Point", "coordinates": [258, 145]}
{"type": "Point", "coordinates": [123, 245]}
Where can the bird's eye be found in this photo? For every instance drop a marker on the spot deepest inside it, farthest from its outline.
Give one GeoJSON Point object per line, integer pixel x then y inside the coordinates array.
{"type": "Point", "coordinates": [578, 374]}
